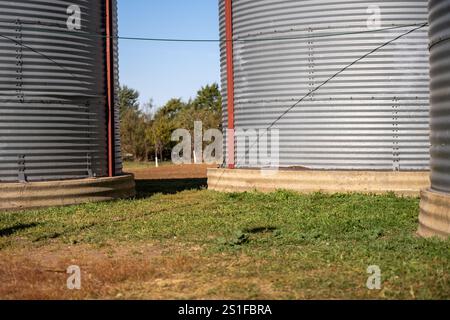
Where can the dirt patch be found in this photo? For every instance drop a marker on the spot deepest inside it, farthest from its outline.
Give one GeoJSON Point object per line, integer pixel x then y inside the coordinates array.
{"type": "Point", "coordinates": [105, 272]}
{"type": "Point", "coordinates": [172, 172]}
{"type": "Point", "coordinates": [147, 271]}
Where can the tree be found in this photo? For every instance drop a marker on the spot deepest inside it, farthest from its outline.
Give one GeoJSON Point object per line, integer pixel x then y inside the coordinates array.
{"type": "Point", "coordinates": [164, 123]}
{"type": "Point", "coordinates": [133, 130]}
{"type": "Point", "coordinates": [133, 123]}
{"type": "Point", "coordinates": [128, 99]}
{"type": "Point", "coordinates": [209, 98]}
{"type": "Point", "coordinates": [206, 108]}
{"type": "Point", "coordinates": [146, 132]}
{"type": "Point", "coordinates": [171, 109]}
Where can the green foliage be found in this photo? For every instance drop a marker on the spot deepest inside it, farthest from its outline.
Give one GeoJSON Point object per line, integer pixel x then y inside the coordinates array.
{"type": "Point", "coordinates": [209, 98]}
{"type": "Point", "coordinates": [133, 134]}
{"type": "Point", "coordinates": [133, 124]}
{"type": "Point", "coordinates": [171, 110]}
{"type": "Point", "coordinates": [128, 100]}
{"type": "Point", "coordinates": [146, 135]}
{"type": "Point", "coordinates": [207, 107]}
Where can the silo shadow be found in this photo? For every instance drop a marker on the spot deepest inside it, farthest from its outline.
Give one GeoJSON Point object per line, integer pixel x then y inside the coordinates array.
{"type": "Point", "coordinates": [147, 188]}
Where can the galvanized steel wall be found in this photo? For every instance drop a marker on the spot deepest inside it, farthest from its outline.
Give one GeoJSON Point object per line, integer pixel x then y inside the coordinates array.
{"type": "Point", "coordinates": [53, 119]}
{"type": "Point", "coordinates": [375, 115]}
{"type": "Point", "coordinates": [118, 166]}
{"type": "Point", "coordinates": [440, 94]}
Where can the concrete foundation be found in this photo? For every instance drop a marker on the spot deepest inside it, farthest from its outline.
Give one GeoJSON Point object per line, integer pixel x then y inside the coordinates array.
{"type": "Point", "coordinates": [434, 219]}
{"type": "Point", "coordinates": [19, 196]}
{"type": "Point", "coordinates": [309, 181]}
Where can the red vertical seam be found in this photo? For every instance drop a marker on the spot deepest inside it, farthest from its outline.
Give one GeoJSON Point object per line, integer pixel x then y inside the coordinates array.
{"type": "Point", "coordinates": [230, 82]}
{"type": "Point", "coordinates": [110, 83]}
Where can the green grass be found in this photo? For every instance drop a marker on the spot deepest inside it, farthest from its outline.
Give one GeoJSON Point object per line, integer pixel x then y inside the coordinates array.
{"type": "Point", "coordinates": [131, 165]}
{"type": "Point", "coordinates": [305, 246]}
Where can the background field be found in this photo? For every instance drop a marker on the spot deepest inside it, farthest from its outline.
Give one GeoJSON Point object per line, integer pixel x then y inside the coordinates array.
{"type": "Point", "coordinates": [177, 240]}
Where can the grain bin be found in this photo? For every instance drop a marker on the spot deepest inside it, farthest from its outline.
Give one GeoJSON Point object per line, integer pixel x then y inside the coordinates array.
{"type": "Point", "coordinates": [435, 205]}
{"type": "Point", "coordinates": [345, 83]}
{"type": "Point", "coordinates": [59, 121]}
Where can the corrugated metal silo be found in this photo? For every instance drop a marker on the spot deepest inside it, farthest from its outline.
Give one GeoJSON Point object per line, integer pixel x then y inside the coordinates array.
{"type": "Point", "coordinates": [53, 93]}
{"type": "Point", "coordinates": [372, 116]}
{"type": "Point", "coordinates": [54, 108]}
{"type": "Point", "coordinates": [440, 95]}
{"type": "Point", "coordinates": [435, 206]}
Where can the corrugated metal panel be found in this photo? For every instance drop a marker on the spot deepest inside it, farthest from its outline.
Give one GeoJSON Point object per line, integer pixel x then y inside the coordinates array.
{"type": "Point", "coordinates": [223, 72]}
{"type": "Point", "coordinates": [118, 150]}
{"type": "Point", "coordinates": [440, 94]}
{"type": "Point", "coordinates": [375, 115]}
{"type": "Point", "coordinates": [52, 91]}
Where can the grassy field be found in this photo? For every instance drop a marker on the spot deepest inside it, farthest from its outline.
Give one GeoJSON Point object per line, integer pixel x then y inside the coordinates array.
{"type": "Point", "coordinates": [200, 244]}
{"type": "Point", "coordinates": [144, 164]}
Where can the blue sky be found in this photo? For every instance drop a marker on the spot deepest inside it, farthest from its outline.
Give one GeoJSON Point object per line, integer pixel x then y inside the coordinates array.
{"type": "Point", "coordinates": [161, 71]}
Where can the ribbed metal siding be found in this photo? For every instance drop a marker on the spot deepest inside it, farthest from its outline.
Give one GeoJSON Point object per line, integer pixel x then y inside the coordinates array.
{"type": "Point", "coordinates": [440, 94]}
{"type": "Point", "coordinates": [52, 92]}
{"type": "Point", "coordinates": [223, 73]}
{"type": "Point", "coordinates": [372, 116]}
{"type": "Point", "coordinates": [118, 149]}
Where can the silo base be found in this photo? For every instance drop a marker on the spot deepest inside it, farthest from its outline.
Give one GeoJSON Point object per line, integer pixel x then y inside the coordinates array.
{"type": "Point", "coordinates": [309, 181]}
{"type": "Point", "coordinates": [20, 196]}
{"type": "Point", "coordinates": [434, 219]}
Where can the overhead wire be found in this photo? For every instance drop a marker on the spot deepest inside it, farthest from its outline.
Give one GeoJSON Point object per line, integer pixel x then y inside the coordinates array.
{"type": "Point", "coordinates": [84, 34]}
{"type": "Point", "coordinates": [63, 28]}
{"type": "Point", "coordinates": [262, 39]}
{"type": "Point", "coordinates": [343, 70]}
{"type": "Point", "coordinates": [416, 26]}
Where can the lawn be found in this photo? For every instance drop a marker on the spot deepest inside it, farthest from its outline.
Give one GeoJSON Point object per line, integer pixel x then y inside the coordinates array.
{"type": "Point", "coordinates": [144, 164]}
{"type": "Point", "coordinates": [199, 244]}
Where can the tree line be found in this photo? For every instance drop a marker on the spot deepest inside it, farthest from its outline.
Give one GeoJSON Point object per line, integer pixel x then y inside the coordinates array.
{"type": "Point", "coordinates": [146, 130]}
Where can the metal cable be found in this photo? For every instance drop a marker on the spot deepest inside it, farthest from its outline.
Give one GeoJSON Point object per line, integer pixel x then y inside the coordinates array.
{"type": "Point", "coordinates": [199, 40]}
{"type": "Point", "coordinates": [327, 81]}
{"type": "Point", "coordinates": [187, 40]}
{"type": "Point", "coordinates": [42, 55]}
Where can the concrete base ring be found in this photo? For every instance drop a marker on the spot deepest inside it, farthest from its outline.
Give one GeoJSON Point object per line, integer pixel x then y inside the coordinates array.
{"type": "Point", "coordinates": [434, 219]}
{"type": "Point", "coordinates": [20, 196]}
{"type": "Point", "coordinates": [309, 181]}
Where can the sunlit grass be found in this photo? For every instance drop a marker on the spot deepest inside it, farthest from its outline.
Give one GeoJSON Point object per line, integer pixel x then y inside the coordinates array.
{"type": "Point", "coordinates": [131, 165]}
{"type": "Point", "coordinates": [254, 245]}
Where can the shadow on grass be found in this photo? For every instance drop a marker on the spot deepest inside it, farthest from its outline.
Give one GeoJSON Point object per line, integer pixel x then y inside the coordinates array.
{"type": "Point", "coordinates": [147, 188]}
{"type": "Point", "coordinates": [17, 228]}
